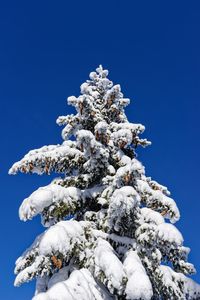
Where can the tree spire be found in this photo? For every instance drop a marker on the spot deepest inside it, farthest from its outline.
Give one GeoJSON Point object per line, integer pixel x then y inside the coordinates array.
{"type": "Point", "coordinates": [110, 232]}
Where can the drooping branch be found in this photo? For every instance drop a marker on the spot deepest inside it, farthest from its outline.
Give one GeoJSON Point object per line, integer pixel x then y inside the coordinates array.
{"type": "Point", "coordinates": [55, 158]}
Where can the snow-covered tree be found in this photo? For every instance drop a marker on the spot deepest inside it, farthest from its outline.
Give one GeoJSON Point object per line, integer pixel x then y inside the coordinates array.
{"type": "Point", "coordinates": [110, 232]}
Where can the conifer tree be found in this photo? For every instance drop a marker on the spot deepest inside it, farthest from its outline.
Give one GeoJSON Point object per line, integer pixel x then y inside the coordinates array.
{"type": "Point", "coordinates": [110, 232]}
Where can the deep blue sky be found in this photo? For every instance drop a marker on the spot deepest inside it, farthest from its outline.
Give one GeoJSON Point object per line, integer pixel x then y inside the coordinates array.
{"type": "Point", "coordinates": [47, 49]}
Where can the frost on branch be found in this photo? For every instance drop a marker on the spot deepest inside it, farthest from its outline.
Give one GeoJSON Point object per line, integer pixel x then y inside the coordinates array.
{"type": "Point", "coordinates": [54, 249]}
{"type": "Point", "coordinates": [110, 228]}
{"type": "Point", "coordinates": [123, 210]}
{"type": "Point", "coordinates": [52, 202]}
{"type": "Point", "coordinates": [58, 158]}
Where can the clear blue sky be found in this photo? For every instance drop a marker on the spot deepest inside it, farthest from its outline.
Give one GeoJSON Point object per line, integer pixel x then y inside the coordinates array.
{"type": "Point", "coordinates": [47, 49]}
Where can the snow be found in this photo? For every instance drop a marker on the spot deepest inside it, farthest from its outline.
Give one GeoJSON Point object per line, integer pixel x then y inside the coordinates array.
{"type": "Point", "coordinates": [124, 160]}
{"type": "Point", "coordinates": [138, 285]}
{"type": "Point", "coordinates": [126, 133]}
{"type": "Point", "coordinates": [61, 275]}
{"type": "Point", "coordinates": [122, 204]}
{"type": "Point", "coordinates": [171, 280]}
{"type": "Point", "coordinates": [71, 100]}
{"type": "Point", "coordinates": [111, 170]}
{"type": "Point", "coordinates": [72, 124]}
{"type": "Point", "coordinates": [40, 264]}
{"type": "Point", "coordinates": [41, 284]}
{"type": "Point", "coordinates": [94, 151]}
{"type": "Point", "coordinates": [159, 199]}
{"type": "Point", "coordinates": [45, 196]}
{"type": "Point", "coordinates": [122, 137]}
{"type": "Point", "coordinates": [157, 186]}
{"type": "Point", "coordinates": [143, 187]}
{"type": "Point", "coordinates": [121, 240]}
{"type": "Point", "coordinates": [151, 216]}
{"type": "Point", "coordinates": [126, 192]}
{"type": "Point", "coordinates": [191, 290]}
{"type": "Point", "coordinates": [85, 137]}
{"type": "Point", "coordinates": [113, 95]}
{"type": "Point", "coordinates": [61, 238]}
{"type": "Point", "coordinates": [134, 167]}
{"type": "Point", "coordinates": [161, 236]}
{"type": "Point", "coordinates": [80, 285]}
{"type": "Point", "coordinates": [30, 253]}
{"type": "Point", "coordinates": [134, 128]}
{"type": "Point", "coordinates": [92, 193]}
{"type": "Point", "coordinates": [169, 203]}
{"type": "Point", "coordinates": [106, 261]}
{"type": "Point", "coordinates": [169, 233]}
{"type": "Point", "coordinates": [101, 127]}
{"type": "Point", "coordinates": [146, 233]}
